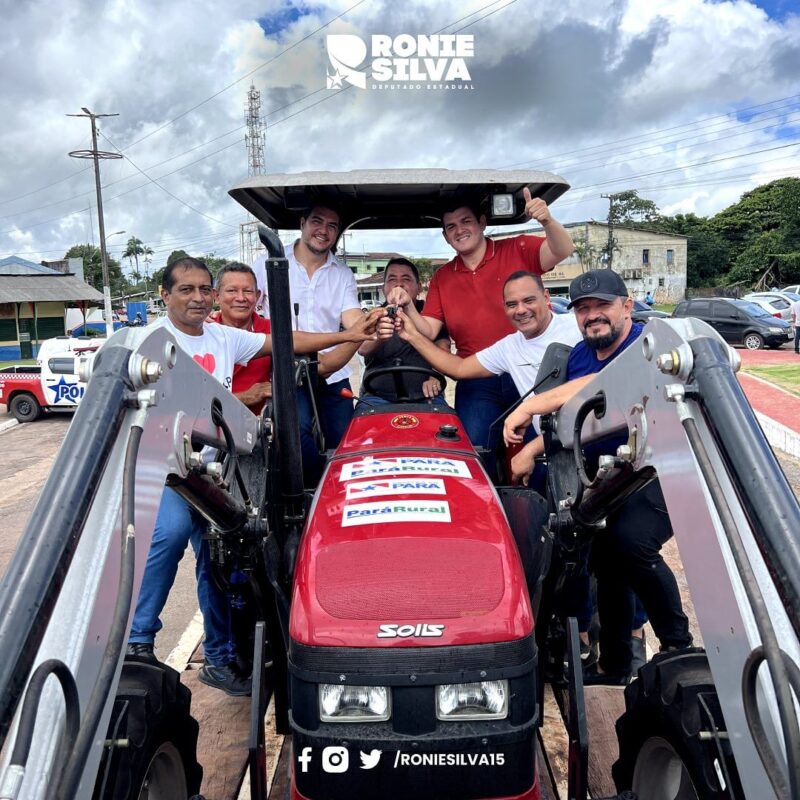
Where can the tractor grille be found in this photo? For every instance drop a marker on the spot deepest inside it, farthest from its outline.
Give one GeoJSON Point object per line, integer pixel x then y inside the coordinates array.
{"type": "Point", "coordinates": [409, 579]}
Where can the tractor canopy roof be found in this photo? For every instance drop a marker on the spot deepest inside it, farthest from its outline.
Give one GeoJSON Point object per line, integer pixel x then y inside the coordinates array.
{"type": "Point", "coordinates": [394, 198]}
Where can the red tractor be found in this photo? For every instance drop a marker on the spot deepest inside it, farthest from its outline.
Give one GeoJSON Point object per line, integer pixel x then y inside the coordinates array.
{"type": "Point", "coordinates": [407, 600]}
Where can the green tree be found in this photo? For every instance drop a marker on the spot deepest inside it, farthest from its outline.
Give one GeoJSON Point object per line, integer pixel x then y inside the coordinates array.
{"type": "Point", "coordinates": [425, 269]}
{"type": "Point", "coordinates": [627, 208]}
{"type": "Point", "coordinates": [93, 268]}
{"type": "Point", "coordinates": [214, 263]}
{"type": "Point", "coordinates": [763, 233]}
{"type": "Point", "coordinates": [175, 255]}
{"type": "Point", "coordinates": [135, 248]}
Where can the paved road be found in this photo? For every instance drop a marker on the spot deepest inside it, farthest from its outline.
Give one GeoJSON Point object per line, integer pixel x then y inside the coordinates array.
{"type": "Point", "coordinates": [27, 453]}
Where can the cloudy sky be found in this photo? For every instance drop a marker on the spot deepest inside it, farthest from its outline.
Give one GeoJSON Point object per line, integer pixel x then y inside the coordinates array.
{"type": "Point", "coordinates": [689, 101]}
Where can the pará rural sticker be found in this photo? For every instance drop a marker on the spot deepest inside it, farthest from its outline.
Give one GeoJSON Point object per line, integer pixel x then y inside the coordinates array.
{"type": "Point", "coordinates": [396, 511]}
{"type": "Point", "coordinates": [406, 465]}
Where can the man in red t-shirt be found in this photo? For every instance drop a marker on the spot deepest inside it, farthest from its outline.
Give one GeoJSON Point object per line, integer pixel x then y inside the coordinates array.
{"type": "Point", "coordinates": [237, 294]}
{"type": "Point", "coordinates": [466, 296]}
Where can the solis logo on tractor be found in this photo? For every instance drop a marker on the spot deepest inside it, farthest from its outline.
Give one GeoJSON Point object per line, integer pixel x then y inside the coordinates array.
{"type": "Point", "coordinates": [421, 629]}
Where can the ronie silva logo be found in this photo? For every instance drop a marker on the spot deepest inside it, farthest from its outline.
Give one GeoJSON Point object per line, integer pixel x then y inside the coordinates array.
{"type": "Point", "coordinates": [433, 61]}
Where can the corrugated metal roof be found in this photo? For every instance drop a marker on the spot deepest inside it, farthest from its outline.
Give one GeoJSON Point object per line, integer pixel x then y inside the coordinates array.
{"type": "Point", "coordinates": [14, 265]}
{"type": "Point", "coordinates": [41, 288]}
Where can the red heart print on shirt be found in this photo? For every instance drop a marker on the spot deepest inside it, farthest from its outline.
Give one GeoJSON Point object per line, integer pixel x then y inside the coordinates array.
{"type": "Point", "coordinates": [206, 361]}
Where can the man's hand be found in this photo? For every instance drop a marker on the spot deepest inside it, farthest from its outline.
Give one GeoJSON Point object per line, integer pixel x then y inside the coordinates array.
{"type": "Point", "coordinates": [398, 297]}
{"type": "Point", "coordinates": [536, 208]}
{"type": "Point", "coordinates": [522, 465]}
{"type": "Point", "coordinates": [256, 394]}
{"type": "Point", "coordinates": [431, 388]}
{"type": "Point", "coordinates": [514, 427]}
{"type": "Point", "coordinates": [405, 328]}
{"type": "Point", "coordinates": [365, 327]}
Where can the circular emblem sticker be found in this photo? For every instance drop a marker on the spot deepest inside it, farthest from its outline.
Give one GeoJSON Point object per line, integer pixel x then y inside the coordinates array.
{"type": "Point", "coordinates": [404, 421]}
{"type": "Point", "coordinates": [588, 283]}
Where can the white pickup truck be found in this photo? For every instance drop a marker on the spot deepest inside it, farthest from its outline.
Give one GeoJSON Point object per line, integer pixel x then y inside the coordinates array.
{"type": "Point", "coordinates": [27, 390]}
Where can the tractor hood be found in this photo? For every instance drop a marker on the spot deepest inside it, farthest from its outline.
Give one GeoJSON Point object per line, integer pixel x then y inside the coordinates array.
{"type": "Point", "coordinates": [390, 198]}
{"type": "Point", "coordinates": [407, 544]}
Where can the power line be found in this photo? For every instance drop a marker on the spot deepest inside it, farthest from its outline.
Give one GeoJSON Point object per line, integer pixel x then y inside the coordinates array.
{"type": "Point", "coordinates": [164, 188]}
{"type": "Point", "coordinates": [726, 116]}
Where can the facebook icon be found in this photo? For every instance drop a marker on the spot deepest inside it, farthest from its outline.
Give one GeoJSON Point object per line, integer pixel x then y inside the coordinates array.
{"type": "Point", "coordinates": [304, 759]}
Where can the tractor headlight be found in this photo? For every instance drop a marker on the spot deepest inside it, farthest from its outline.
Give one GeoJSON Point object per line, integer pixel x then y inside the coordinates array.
{"type": "Point", "coordinates": [467, 701]}
{"type": "Point", "coordinates": [354, 703]}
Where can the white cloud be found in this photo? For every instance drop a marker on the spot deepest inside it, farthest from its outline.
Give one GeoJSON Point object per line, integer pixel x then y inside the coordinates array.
{"type": "Point", "coordinates": [552, 80]}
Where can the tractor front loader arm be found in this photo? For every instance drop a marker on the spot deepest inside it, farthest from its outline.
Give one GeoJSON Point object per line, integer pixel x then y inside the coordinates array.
{"type": "Point", "coordinates": [675, 397]}
{"type": "Point", "coordinates": [69, 592]}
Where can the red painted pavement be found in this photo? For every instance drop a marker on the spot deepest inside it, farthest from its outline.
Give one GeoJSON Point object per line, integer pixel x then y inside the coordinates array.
{"type": "Point", "coordinates": [771, 401]}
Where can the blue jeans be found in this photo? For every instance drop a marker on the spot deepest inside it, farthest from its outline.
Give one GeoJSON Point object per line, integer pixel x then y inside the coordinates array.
{"type": "Point", "coordinates": [479, 402]}
{"type": "Point", "coordinates": [177, 524]}
{"type": "Point", "coordinates": [335, 413]}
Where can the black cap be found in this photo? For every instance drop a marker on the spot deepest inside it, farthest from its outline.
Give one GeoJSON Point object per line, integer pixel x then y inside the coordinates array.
{"type": "Point", "coordinates": [605, 284]}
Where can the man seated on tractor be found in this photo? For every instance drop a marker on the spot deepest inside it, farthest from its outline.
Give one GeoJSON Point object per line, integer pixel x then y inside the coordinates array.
{"type": "Point", "coordinates": [626, 556]}
{"type": "Point", "coordinates": [391, 350]}
{"type": "Point", "coordinates": [526, 305]}
{"type": "Point", "coordinates": [464, 296]}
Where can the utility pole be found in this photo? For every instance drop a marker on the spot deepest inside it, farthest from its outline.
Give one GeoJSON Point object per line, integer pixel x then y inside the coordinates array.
{"type": "Point", "coordinates": [98, 155]}
{"type": "Point", "coordinates": [611, 198]}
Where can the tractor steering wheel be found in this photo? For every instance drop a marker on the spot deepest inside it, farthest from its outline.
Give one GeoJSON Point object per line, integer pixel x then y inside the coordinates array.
{"type": "Point", "coordinates": [398, 374]}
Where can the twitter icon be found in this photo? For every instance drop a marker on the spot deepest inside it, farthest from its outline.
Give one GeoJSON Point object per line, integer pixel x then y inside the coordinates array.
{"type": "Point", "coordinates": [370, 760]}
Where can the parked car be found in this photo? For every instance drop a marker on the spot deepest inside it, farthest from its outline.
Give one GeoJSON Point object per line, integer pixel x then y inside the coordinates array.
{"type": "Point", "coordinates": [738, 321]}
{"type": "Point", "coordinates": [775, 303]}
{"type": "Point", "coordinates": [795, 287]}
{"type": "Point", "coordinates": [559, 304]}
{"type": "Point", "coordinates": [642, 312]}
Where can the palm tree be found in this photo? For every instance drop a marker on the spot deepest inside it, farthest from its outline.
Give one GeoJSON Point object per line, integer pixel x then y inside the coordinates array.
{"type": "Point", "coordinates": [135, 248]}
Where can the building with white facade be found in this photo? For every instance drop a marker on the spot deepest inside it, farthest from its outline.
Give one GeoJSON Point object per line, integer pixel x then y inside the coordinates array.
{"type": "Point", "coordinates": [646, 260]}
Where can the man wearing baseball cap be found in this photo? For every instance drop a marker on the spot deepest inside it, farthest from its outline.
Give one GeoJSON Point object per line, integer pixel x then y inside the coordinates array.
{"type": "Point", "coordinates": [626, 557]}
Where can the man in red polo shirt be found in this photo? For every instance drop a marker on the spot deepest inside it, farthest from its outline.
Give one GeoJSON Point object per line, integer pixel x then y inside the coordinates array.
{"type": "Point", "coordinates": [466, 296]}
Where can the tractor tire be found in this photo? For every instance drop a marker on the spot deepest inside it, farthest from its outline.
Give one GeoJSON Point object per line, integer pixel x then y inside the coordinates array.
{"type": "Point", "coordinates": [24, 407]}
{"type": "Point", "coordinates": [152, 711]}
{"type": "Point", "coordinates": [661, 755]}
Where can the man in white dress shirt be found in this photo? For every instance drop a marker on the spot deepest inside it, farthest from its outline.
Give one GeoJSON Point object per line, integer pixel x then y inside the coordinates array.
{"type": "Point", "coordinates": [324, 296]}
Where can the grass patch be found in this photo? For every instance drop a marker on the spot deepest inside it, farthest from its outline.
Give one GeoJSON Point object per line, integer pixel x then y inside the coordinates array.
{"type": "Point", "coordinates": [787, 376]}
{"type": "Point", "coordinates": [667, 308]}
{"type": "Point", "coordinates": [31, 361]}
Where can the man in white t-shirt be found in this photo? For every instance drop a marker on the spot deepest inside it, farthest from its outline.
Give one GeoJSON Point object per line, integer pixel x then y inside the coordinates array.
{"type": "Point", "coordinates": [526, 303]}
{"type": "Point", "coordinates": [324, 295]}
{"type": "Point", "coordinates": [188, 295]}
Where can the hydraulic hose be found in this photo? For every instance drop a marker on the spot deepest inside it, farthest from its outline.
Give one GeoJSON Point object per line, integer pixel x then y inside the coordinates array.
{"type": "Point", "coordinates": [68, 785]}
{"type": "Point", "coordinates": [27, 722]}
